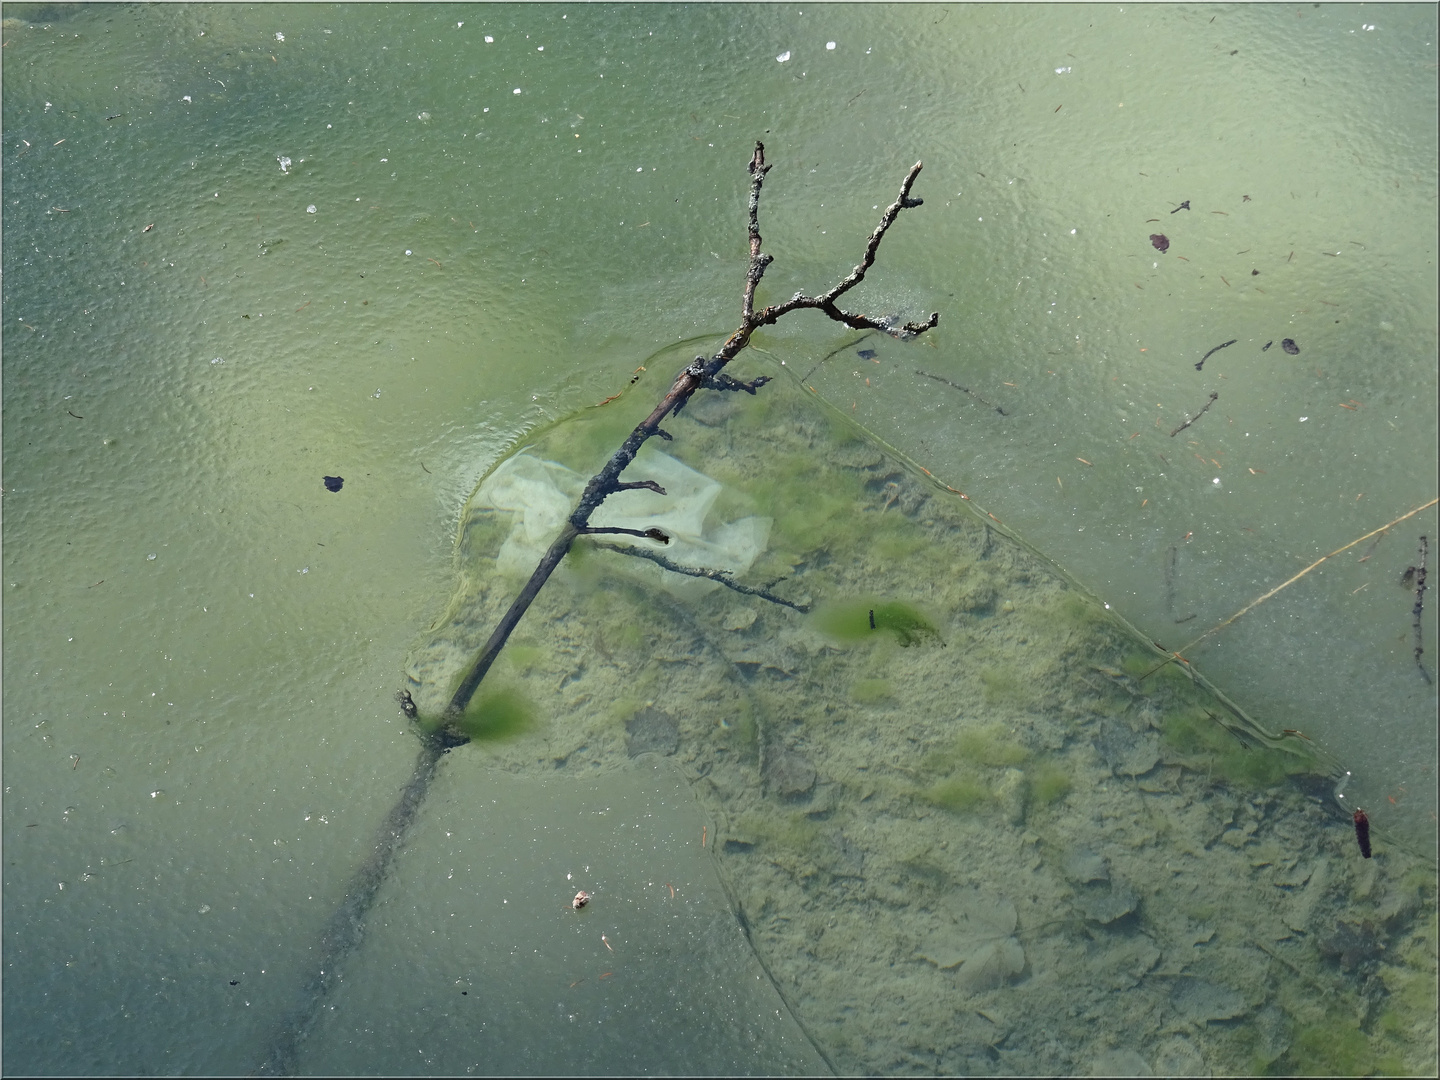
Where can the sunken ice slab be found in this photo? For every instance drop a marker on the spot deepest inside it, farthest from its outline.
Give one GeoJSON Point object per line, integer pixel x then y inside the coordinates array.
{"type": "Point", "coordinates": [542, 494]}
{"type": "Point", "coordinates": [475, 963]}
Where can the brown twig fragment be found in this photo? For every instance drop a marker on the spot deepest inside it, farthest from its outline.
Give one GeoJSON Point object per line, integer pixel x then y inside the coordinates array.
{"type": "Point", "coordinates": [1213, 395]}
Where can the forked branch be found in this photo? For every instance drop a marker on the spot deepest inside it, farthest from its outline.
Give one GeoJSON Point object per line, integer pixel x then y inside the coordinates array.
{"type": "Point", "coordinates": [702, 373]}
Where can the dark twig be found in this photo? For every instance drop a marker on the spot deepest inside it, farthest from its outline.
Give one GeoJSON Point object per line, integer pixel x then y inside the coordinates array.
{"type": "Point", "coordinates": [1213, 395]}
{"type": "Point", "coordinates": [647, 485]}
{"type": "Point", "coordinates": [646, 534]}
{"type": "Point", "coordinates": [722, 576]}
{"type": "Point", "coordinates": [964, 389]}
{"type": "Point", "coordinates": [1417, 575]}
{"type": "Point", "coordinates": [721, 381]}
{"type": "Point", "coordinates": [1216, 349]}
{"type": "Point", "coordinates": [699, 374]}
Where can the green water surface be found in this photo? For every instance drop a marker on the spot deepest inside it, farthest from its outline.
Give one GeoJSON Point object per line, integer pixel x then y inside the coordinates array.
{"type": "Point", "coordinates": [249, 247]}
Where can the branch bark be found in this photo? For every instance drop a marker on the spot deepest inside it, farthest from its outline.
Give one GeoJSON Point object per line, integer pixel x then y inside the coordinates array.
{"type": "Point", "coordinates": [702, 373]}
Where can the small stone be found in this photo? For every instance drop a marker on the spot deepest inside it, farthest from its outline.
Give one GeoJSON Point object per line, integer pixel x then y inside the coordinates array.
{"type": "Point", "coordinates": [789, 775]}
{"type": "Point", "coordinates": [1200, 1001]}
{"type": "Point", "coordinates": [1106, 906]}
{"type": "Point", "coordinates": [651, 731]}
{"type": "Point", "coordinates": [739, 619]}
{"type": "Point", "coordinates": [1084, 866]}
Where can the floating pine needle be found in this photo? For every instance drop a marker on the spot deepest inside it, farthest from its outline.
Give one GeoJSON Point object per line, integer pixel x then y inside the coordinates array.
{"type": "Point", "coordinates": [1213, 351]}
{"type": "Point", "coordinates": [1286, 584]}
{"type": "Point", "coordinates": [1214, 394]}
{"type": "Point", "coordinates": [1161, 242]}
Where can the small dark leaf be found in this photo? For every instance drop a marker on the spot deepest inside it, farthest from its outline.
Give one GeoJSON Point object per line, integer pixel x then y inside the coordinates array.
{"type": "Point", "coordinates": [1288, 344]}
{"type": "Point", "coordinates": [334, 483]}
{"type": "Point", "coordinates": [1161, 242]}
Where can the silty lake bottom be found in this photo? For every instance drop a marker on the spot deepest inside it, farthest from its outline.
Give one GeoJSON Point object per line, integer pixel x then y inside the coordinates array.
{"type": "Point", "coordinates": [964, 823]}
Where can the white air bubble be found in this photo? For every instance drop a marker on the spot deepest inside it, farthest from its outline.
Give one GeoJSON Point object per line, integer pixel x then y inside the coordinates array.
{"type": "Point", "coordinates": [783, 56]}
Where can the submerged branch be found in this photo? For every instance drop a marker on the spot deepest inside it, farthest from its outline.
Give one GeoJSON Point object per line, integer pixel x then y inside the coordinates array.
{"type": "Point", "coordinates": [722, 576]}
{"type": "Point", "coordinates": [699, 374]}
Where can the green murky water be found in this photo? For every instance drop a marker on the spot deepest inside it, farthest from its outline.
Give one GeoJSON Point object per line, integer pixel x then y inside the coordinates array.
{"type": "Point", "coordinates": [246, 248]}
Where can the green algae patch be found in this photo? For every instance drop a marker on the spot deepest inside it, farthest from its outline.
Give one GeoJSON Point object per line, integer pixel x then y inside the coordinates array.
{"type": "Point", "coordinates": [959, 795]}
{"type": "Point", "coordinates": [498, 717]}
{"type": "Point", "coordinates": [1199, 741]}
{"type": "Point", "coordinates": [1331, 1049]}
{"type": "Point", "coordinates": [852, 621]}
{"type": "Point", "coordinates": [989, 745]}
{"type": "Point", "coordinates": [1048, 783]}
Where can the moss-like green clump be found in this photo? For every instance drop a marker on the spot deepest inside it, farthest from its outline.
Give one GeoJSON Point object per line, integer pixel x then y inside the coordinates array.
{"type": "Point", "coordinates": [959, 795]}
{"type": "Point", "coordinates": [1139, 664]}
{"type": "Point", "coordinates": [794, 831]}
{"type": "Point", "coordinates": [1078, 611]}
{"type": "Point", "coordinates": [858, 620]}
{"type": "Point", "coordinates": [1048, 783]}
{"type": "Point", "coordinates": [988, 745]}
{"type": "Point", "coordinates": [1203, 738]}
{"type": "Point", "coordinates": [870, 691]}
{"type": "Point", "coordinates": [1338, 1048]}
{"type": "Point", "coordinates": [497, 716]}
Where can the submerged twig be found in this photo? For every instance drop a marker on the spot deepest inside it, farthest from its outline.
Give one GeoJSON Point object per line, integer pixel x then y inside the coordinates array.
{"type": "Point", "coordinates": [701, 373]}
{"type": "Point", "coordinates": [1176, 655]}
{"type": "Point", "coordinates": [1214, 394]}
{"type": "Point", "coordinates": [1417, 575]}
{"type": "Point", "coordinates": [963, 389]}
{"type": "Point", "coordinates": [722, 576]}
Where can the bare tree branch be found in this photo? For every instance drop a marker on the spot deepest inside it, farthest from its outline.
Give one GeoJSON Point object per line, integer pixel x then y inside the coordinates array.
{"type": "Point", "coordinates": [699, 374]}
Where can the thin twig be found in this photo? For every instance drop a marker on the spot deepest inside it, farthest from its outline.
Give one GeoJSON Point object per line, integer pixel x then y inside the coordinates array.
{"type": "Point", "coordinates": [964, 389]}
{"type": "Point", "coordinates": [1213, 395]}
{"type": "Point", "coordinates": [722, 576]}
{"type": "Point", "coordinates": [1285, 585]}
